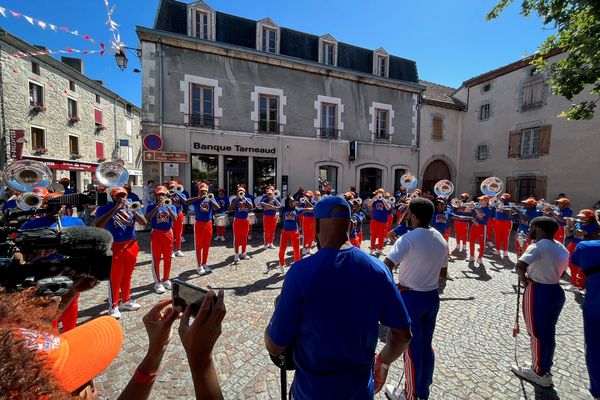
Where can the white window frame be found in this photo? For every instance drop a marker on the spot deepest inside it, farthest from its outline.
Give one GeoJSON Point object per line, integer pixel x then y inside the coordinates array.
{"type": "Point", "coordinates": [201, 7]}
{"type": "Point", "coordinates": [185, 85]}
{"type": "Point", "coordinates": [373, 114]}
{"type": "Point", "coordinates": [340, 109]}
{"type": "Point", "coordinates": [255, 98]}
{"type": "Point", "coordinates": [69, 98]}
{"type": "Point", "coordinates": [45, 135]}
{"type": "Point", "coordinates": [129, 126]}
{"type": "Point", "coordinates": [530, 133]}
{"type": "Point", "coordinates": [328, 40]}
{"type": "Point", "coordinates": [489, 111]}
{"type": "Point", "coordinates": [78, 144]}
{"type": "Point", "coordinates": [29, 82]}
{"type": "Point", "coordinates": [128, 157]}
{"type": "Point", "coordinates": [378, 55]}
{"type": "Point", "coordinates": [267, 23]}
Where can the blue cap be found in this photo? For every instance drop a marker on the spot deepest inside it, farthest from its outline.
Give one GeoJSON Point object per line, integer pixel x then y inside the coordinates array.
{"type": "Point", "coordinates": [324, 208]}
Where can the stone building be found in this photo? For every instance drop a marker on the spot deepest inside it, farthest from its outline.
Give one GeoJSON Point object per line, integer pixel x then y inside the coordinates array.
{"type": "Point", "coordinates": [257, 103]}
{"type": "Point", "coordinates": [63, 118]}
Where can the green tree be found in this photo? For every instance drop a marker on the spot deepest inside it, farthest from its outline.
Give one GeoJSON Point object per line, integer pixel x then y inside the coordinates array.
{"type": "Point", "coordinates": [577, 32]}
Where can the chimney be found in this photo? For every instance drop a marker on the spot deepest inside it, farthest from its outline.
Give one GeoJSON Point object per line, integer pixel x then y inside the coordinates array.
{"type": "Point", "coordinates": [75, 63]}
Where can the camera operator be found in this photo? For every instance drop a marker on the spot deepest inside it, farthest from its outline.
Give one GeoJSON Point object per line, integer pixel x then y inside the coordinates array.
{"type": "Point", "coordinates": [119, 219]}
{"type": "Point", "coordinates": [345, 293]}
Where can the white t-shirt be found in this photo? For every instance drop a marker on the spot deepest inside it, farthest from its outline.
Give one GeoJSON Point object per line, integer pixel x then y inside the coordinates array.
{"type": "Point", "coordinates": [547, 259]}
{"type": "Point", "coordinates": [421, 254]}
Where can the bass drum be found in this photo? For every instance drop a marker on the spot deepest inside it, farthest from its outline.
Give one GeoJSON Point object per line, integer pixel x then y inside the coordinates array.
{"type": "Point", "coordinates": [221, 220]}
{"type": "Point", "coordinates": [252, 218]}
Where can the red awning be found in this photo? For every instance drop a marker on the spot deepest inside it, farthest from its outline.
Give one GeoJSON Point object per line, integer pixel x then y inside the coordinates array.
{"type": "Point", "coordinates": [64, 164]}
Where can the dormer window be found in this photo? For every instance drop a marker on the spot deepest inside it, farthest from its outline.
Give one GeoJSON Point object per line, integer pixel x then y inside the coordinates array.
{"type": "Point", "coordinates": [267, 36]}
{"type": "Point", "coordinates": [328, 50]}
{"type": "Point", "coordinates": [201, 21]}
{"type": "Point", "coordinates": [381, 63]}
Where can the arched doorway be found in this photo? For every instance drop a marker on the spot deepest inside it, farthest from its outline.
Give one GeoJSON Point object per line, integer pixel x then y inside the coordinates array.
{"type": "Point", "coordinates": [435, 171]}
{"type": "Point", "coordinates": [371, 179]}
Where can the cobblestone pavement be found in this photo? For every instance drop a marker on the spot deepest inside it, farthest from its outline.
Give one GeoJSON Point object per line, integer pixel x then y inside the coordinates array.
{"type": "Point", "coordinates": [473, 340]}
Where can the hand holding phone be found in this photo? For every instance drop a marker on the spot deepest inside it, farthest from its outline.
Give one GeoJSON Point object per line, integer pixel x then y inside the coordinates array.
{"type": "Point", "coordinates": [185, 295]}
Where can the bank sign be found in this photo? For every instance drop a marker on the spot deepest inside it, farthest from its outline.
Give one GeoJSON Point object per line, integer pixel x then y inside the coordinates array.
{"type": "Point", "coordinates": [236, 147]}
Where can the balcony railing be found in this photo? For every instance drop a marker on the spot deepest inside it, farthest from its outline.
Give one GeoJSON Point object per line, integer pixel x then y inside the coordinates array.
{"type": "Point", "coordinates": [532, 106]}
{"type": "Point", "coordinates": [201, 120]}
{"type": "Point", "coordinates": [381, 137]}
{"type": "Point", "coordinates": [329, 133]}
{"type": "Point", "coordinates": [269, 127]}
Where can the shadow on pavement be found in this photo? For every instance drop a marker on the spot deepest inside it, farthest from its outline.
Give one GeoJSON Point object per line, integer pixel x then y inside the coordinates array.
{"type": "Point", "coordinates": [478, 272]}
{"type": "Point", "coordinates": [257, 286]}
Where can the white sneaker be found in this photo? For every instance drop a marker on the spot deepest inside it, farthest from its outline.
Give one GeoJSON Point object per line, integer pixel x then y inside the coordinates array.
{"type": "Point", "coordinates": [282, 269]}
{"type": "Point", "coordinates": [479, 260]}
{"type": "Point", "coordinates": [182, 239]}
{"type": "Point", "coordinates": [373, 253]}
{"type": "Point", "coordinates": [469, 259]}
{"type": "Point", "coordinates": [167, 284]}
{"type": "Point", "coordinates": [495, 252]}
{"type": "Point", "coordinates": [222, 238]}
{"type": "Point", "coordinates": [114, 312]}
{"type": "Point", "coordinates": [236, 259]}
{"type": "Point", "coordinates": [459, 247]}
{"type": "Point", "coordinates": [245, 256]}
{"type": "Point", "coordinates": [382, 253]}
{"type": "Point", "coordinates": [200, 270]}
{"type": "Point", "coordinates": [501, 253]}
{"type": "Point", "coordinates": [159, 288]}
{"type": "Point", "coordinates": [529, 374]}
{"type": "Point", "coordinates": [272, 246]}
{"type": "Point", "coordinates": [207, 269]}
{"type": "Point", "coordinates": [179, 253]}
{"type": "Point", "coordinates": [394, 392]}
{"type": "Point", "coordinates": [173, 254]}
{"type": "Point", "coordinates": [130, 306]}
{"type": "Point", "coordinates": [309, 251]}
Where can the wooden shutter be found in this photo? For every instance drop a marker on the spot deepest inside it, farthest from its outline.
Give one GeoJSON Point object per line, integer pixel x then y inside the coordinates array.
{"type": "Point", "coordinates": [545, 133]}
{"type": "Point", "coordinates": [99, 150]}
{"type": "Point", "coordinates": [514, 144]}
{"type": "Point", "coordinates": [511, 187]}
{"type": "Point", "coordinates": [540, 186]}
{"type": "Point", "coordinates": [98, 116]}
{"type": "Point", "coordinates": [438, 128]}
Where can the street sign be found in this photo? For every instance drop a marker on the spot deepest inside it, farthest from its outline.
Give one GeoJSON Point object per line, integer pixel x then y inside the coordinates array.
{"type": "Point", "coordinates": [166, 156]}
{"type": "Point", "coordinates": [171, 169]}
{"type": "Point", "coordinates": [153, 142]}
{"type": "Point", "coordinates": [124, 142]}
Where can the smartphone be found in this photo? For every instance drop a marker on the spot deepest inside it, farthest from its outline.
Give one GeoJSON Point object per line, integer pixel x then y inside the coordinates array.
{"type": "Point", "coordinates": [185, 294]}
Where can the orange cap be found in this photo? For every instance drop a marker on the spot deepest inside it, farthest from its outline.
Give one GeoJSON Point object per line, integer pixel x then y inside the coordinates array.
{"type": "Point", "coordinates": [350, 195]}
{"type": "Point", "coordinates": [586, 213]}
{"type": "Point", "coordinates": [41, 191]}
{"type": "Point", "coordinates": [380, 190]}
{"type": "Point", "coordinates": [80, 354]}
{"type": "Point", "coordinates": [203, 186]}
{"type": "Point", "coordinates": [309, 193]}
{"type": "Point", "coordinates": [563, 200]}
{"type": "Point", "coordinates": [114, 192]}
{"type": "Point", "coordinates": [530, 201]}
{"type": "Point", "coordinates": [161, 190]}
{"type": "Point", "coordinates": [173, 183]}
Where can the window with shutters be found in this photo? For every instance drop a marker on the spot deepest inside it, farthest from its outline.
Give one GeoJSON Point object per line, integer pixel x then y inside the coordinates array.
{"type": "Point", "coordinates": [100, 150]}
{"type": "Point", "coordinates": [38, 138]}
{"type": "Point", "coordinates": [98, 118]}
{"type": "Point", "coordinates": [36, 95]}
{"type": "Point", "coordinates": [532, 95]}
{"type": "Point", "coordinates": [438, 128]}
{"type": "Point", "coordinates": [523, 187]}
{"type": "Point", "coordinates": [73, 145]}
{"type": "Point", "coordinates": [530, 142]}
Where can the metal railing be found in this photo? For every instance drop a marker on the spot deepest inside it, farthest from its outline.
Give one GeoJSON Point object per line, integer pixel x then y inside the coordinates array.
{"type": "Point", "coordinates": [201, 120]}
{"type": "Point", "coordinates": [381, 137]}
{"type": "Point", "coordinates": [270, 127]}
{"type": "Point", "coordinates": [329, 133]}
{"type": "Point", "coordinates": [531, 106]}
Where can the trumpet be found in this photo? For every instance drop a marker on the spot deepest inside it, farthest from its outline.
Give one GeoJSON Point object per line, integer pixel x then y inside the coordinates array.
{"type": "Point", "coordinates": [135, 206]}
{"type": "Point", "coordinates": [302, 200]}
{"type": "Point", "coordinates": [29, 201]}
{"type": "Point", "coordinates": [456, 203]}
{"type": "Point", "coordinates": [241, 194]}
{"type": "Point", "coordinates": [178, 189]}
{"type": "Point", "coordinates": [210, 196]}
{"type": "Point", "coordinates": [276, 193]}
{"type": "Point", "coordinates": [167, 202]}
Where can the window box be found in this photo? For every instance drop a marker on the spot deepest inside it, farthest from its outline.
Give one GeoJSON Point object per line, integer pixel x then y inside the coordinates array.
{"type": "Point", "coordinates": [100, 128]}
{"type": "Point", "coordinates": [39, 150]}
{"type": "Point", "coordinates": [101, 159]}
{"type": "Point", "coordinates": [74, 118]}
{"type": "Point", "coordinates": [38, 108]}
{"type": "Point", "coordinates": [76, 156]}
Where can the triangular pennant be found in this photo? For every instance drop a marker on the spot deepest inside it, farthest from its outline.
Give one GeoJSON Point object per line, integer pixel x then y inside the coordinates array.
{"type": "Point", "coordinates": [102, 53]}
{"type": "Point", "coordinates": [15, 14]}
{"type": "Point", "coordinates": [87, 37]}
{"type": "Point", "coordinates": [42, 24]}
{"type": "Point", "coordinates": [64, 28]}
{"type": "Point", "coordinates": [76, 33]}
{"type": "Point", "coordinates": [3, 11]}
{"type": "Point", "coordinates": [29, 19]}
{"type": "Point", "coordinates": [53, 27]}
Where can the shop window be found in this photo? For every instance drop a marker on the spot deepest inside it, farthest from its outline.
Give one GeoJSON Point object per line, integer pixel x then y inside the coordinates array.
{"type": "Point", "coordinates": [370, 180]}
{"type": "Point", "coordinates": [236, 173]}
{"type": "Point", "coordinates": [265, 174]}
{"type": "Point", "coordinates": [205, 168]}
{"type": "Point", "coordinates": [328, 177]}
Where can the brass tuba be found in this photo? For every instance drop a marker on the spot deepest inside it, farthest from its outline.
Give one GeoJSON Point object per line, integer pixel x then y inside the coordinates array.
{"type": "Point", "coordinates": [111, 174]}
{"type": "Point", "coordinates": [25, 175]}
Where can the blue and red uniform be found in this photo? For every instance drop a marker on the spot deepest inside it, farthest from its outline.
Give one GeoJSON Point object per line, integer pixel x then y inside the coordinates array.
{"type": "Point", "coordinates": [502, 228]}
{"type": "Point", "coordinates": [379, 220]}
{"type": "Point", "coordinates": [161, 240]}
{"type": "Point", "coordinates": [269, 220]}
{"type": "Point", "coordinates": [223, 202]}
{"type": "Point", "coordinates": [356, 233]}
{"type": "Point", "coordinates": [125, 250]}
{"type": "Point", "coordinates": [524, 228]}
{"type": "Point", "coordinates": [461, 227]}
{"type": "Point", "coordinates": [566, 212]}
{"type": "Point", "coordinates": [289, 233]}
{"type": "Point", "coordinates": [241, 225]}
{"type": "Point", "coordinates": [440, 222]}
{"type": "Point", "coordinates": [203, 229]}
{"type": "Point", "coordinates": [178, 200]}
{"type": "Point", "coordinates": [308, 225]}
{"type": "Point", "coordinates": [578, 277]}
{"type": "Point", "coordinates": [477, 232]}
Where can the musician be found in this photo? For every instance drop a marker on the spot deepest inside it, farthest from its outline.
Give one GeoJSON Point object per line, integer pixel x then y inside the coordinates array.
{"type": "Point", "coordinates": [242, 206]}
{"type": "Point", "coordinates": [271, 205]}
{"type": "Point", "coordinates": [564, 211]}
{"type": "Point", "coordinates": [179, 202]}
{"type": "Point", "coordinates": [479, 216]}
{"type": "Point", "coordinates": [317, 196]}
{"type": "Point", "coordinates": [402, 228]}
{"type": "Point", "coordinates": [461, 226]}
{"type": "Point", "coordinates": [390, 213]}
{"type": "Point", "coordinates": [308, 218]}
{"type": "Point", "coordinates": [289, 232]}
{"type": "Point", "coordinates": [119, 220]}
{"type": "Point", "coordinates": [250, 198]}
{"type": "Point", "coordinates": [422, 257]}
{"type": "Point", "coordinates": [503, 225]}
{"type": "Point", "coordinates": [379, 220]}
{"type": "Point", "coordinates": [204, 206]}
{"type": "Point", "coordinates": [584, 227]}
{"type": "Point", "coordinates": [540, 269]}
{"type": "Point", "coordinates": [489, 230]}
{"type": "Point", "coordinates": [161, 217]}
{"type": "Point", "coordinates": [400, 203]}
{"type": "Point", "coordinates": [586, 256]}
{"type": "Point", "coordinates": [441, 217]}
{"type": "Point", "coordinates": [357, 219]}
{"type": "Point", "coordinates": [223, 202]}
{"type": "Point", "coordinates": [526, 214]}
{"type": "Point", "coordinates": [132, 197]}
{"type": "Point", "coordinates": [11, 200]}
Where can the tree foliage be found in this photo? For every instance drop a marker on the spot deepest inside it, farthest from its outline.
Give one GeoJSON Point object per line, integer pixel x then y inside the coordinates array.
{"type": "Point", "coordinates": [577, 25]}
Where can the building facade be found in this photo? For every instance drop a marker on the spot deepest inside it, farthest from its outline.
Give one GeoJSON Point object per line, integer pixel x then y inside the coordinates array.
{"type": "Point", "coordinates": [252, 102]}
{"type": "Point", "coordinates": [51, 112]}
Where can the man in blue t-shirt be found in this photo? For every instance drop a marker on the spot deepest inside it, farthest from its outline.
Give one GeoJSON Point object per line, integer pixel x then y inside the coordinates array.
{"type": "Point", "coordinates": [346, 294]}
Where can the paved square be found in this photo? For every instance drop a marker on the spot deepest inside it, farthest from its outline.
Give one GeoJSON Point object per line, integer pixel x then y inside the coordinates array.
{"type": "Point", "coordinates": [473, 340]}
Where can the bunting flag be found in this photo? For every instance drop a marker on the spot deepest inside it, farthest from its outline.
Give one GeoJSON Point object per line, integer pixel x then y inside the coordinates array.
{"type": "Point", "coordinates": [67, 50]}
{"type": "Point", "coordinates": [44, 25]}
{"type": "Point", "coordinates": [116, 43]}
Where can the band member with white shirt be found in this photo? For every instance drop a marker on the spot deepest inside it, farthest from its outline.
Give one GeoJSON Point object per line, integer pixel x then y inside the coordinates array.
{"type": "Point", "coordinates": [539, 270]}
{"type": "Point", "coordinates": [422, 257]}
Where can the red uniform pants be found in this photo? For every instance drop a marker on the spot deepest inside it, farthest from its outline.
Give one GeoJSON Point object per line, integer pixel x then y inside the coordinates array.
{"type": "Point", "coordinates": [559, 236]}
{"type": "Point", "coordinates": [476, 235]}
{"type": "Point", "coordinates": [502, 230]}
{"type": "Point", "coordinates": [577, 275]}
{"type": "Point", "coordinates": [161, 246]}
{"type": "Point", "coordinates": [390, 222]}
{"type": "Point", "coordinates": [178, 231]}
{"type": "Point", "coordinates": [309, 231]}
{"type": "Point", "coordinates": [269, 226]}
{"type": "Point", "coordinates": [294, 237]}
{"type": "Point", "coordinates": [377, 234]}
{"type": "Point", "coordinates": [520, 250]}
{"type": "Point", "coordinates": [461, 228]}
{"type": "Point", "coordinates": [241, 227]}
{"type": "Point", "coordinates": [202, 236]}
{"type": "Point", "coordinates": [69, 316]}
{"type": "Point", "coordinates": [489, 230]}
{"type": "Point", "coordinates": [123, 262]}
{"type": "Point", "coordinates": [300, 221]}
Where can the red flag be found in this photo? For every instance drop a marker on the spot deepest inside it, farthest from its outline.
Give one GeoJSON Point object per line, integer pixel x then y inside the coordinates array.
{"type": "Point", "coordinates": [102, 53]}
{"type": "Point", "coordinates": [87, 37]}
{"type": "Point", "coordinates": [64, 28]}
{"type": "Point", "coordinates": [70, 50]}
{"type": "Point", "coordinates": [15, 14]}
{"type": "Point", "coordinates": [101, 45]}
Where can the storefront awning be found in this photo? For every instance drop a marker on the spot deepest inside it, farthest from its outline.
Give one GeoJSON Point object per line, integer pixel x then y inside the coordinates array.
{"type": "Point", "coordinates": [64, 164]}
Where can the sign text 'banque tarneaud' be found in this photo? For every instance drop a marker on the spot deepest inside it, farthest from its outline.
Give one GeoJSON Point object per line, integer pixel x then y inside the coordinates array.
{"type": "Point", "coordinates": [236, 147]}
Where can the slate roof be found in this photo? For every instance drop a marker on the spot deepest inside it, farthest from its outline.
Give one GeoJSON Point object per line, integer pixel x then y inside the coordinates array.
{"type": "Point", "coordinates": [441, 96]}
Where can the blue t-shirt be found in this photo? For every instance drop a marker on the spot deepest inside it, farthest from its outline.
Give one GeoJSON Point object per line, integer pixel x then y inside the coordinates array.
{"type": "Point", "coordinates": [530, 214]}
{"type": "Point", "coordinates": [223, 203]}
{"type": "Point", "coordinates": [290, 219]}
{"type": "Point", "coordinates": [565, 213]}
{"type": "Point", "coordinates": [305, 212]}
{"type": "Point", "coordinates": [10, 204]}
{"type": "Point", "coordinates": [133, 197]}
{"type": "Point", "coordinates": [463, 213]}
{"type": "Point", "coordinates": [379, 212]}
{"type": "Point", "coordinates": [269, 211]}
{"type": "Point", "coordinates": [440, 220]}
{"type": "Point", "coordinates": [179, 204]}
{"type": "Point", "coordinates": [203, 209]}
{"type": "Point", "coordinates": [120, 225]}
{"type": "Point", "coordinates": [587, 256]}
{"type": "Point", "coordinates": [503, 214]}
{"type": "Point", "coordinates": [162, 219]}
{"type": "Point", "coordinates": [358, 218]}
{"type": "Point", "coordinates": [486, 215]}
{"type": "Point", "coordinates": [334, 329]}
{"type": "Point", "coordinates": [47, 222]}
{"type": "Point", "coordinates": [242, 208]}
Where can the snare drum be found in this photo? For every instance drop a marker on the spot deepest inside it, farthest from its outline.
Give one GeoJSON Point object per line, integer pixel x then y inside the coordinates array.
{"type": "Point", "coordinates": [252, 218]}
{"type": "Point", "coordinates": [221, 220]}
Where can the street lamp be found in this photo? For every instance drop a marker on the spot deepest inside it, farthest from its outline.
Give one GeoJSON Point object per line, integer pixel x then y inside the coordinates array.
{"type": "Point", "coordinates": [121, 59]}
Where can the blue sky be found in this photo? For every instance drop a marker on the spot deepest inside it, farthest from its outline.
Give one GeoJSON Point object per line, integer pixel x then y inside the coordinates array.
{"type": "Point", "coordinates": [449, 39]}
